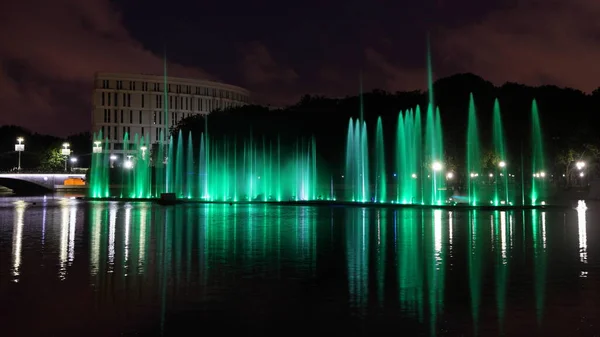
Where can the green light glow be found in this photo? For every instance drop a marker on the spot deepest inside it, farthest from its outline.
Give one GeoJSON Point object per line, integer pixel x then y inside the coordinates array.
{"type": "Point", "coordinates": [256, 169]}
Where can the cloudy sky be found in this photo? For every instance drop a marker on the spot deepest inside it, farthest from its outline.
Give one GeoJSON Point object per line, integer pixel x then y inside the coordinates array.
{"type": "Point", "coordinates": [49, 50]}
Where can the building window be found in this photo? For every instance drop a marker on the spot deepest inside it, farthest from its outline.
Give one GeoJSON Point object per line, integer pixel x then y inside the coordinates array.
{"type": "Point", "coordinates": [115, 115]}
{"type": "Point", "coordinates": [103, 99]}
{"type": "Point", "coordinates": [142, 131]}
{"type": "Point", "coordinates": [115, 130]}
{"type": "Point", "coordinates": [142, 100]}
{"type": "Point", "coordinates": [154, 117]}
{"type": "Point", "coordinates": [132, 85]}
{"type": "Point", "coordinates": [119, 85]}
{"type": "Point", "coordinates": [170, 102]}
{"type": "Point", "coordinates": [104, 84]}
{"type": "Point", "coordinates": [176, 103]}
{"type": "Point", "coordinates": [108, 134]}
{"type": "Point", "coordinates": [116, 99]}
{"type": "Point", "coordinates": [130, 117]}
{"type": "Point", "coordinates": [160, 117]}
{"type": "Point", "coordinates": [140, 117]}
{"type": "Point", "coordinates": [121, 116]}
{"type": "Point", "coordinates": [109, 96]}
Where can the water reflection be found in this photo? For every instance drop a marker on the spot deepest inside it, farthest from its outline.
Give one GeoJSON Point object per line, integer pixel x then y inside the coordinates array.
{"type": "Point", "coordinates": [463, 272]}
{"type": "Point", "coordinates": [582, 230]}
{"type": "Point", "coordinates": [17, 239]}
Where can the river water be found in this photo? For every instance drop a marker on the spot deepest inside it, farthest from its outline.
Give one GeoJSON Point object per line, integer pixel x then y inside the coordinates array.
{"type": "Point", "coordinates": [76, 268]}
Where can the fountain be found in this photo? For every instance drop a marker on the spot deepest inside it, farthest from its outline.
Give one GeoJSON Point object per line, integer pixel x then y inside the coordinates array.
{"type": "Point", "coordinates": [257, 169]}
{"type": "Point", "coordinates": [501, 194]}
{"type": "Point", "coordinates": [473, 155]}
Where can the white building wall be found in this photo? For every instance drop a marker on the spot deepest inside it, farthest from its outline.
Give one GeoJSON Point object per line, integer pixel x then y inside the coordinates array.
{"type": "Point", "coordinates": [136, 104]}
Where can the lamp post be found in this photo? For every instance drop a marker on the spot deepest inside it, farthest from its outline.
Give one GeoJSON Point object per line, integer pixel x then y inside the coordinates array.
{"type": "Point", "coordinates": [66, 152]}
{"type": "Point", "coordinates": [19, 147]}
{"type": "Point", "coordinates": [73, 162]}
{"type": "Point", "coordinates": [97, 148]}
{"type": "Point", "coordinates": [128, 163]}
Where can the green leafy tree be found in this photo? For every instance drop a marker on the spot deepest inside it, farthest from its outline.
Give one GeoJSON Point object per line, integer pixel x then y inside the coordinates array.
{"type": "Point", "coordinates": [52, 160]}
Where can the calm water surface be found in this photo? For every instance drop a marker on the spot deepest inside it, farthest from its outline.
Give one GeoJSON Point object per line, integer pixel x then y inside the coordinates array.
{"type": "Point", "coordinates": [75, 268]}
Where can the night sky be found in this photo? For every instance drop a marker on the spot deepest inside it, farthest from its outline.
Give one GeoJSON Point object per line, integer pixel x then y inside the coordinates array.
{"type": "Point", "coordinates": [280, 50]}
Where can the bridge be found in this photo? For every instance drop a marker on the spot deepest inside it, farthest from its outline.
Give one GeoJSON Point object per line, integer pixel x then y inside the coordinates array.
{"type": "Point", "coordinates": [37, 182]}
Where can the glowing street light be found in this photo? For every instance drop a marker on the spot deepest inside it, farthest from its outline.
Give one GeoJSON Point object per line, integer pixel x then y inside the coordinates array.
{"type": "Point", "coordinates": [580, 165]}
{"type": "Point", "coordinates": [437, 166]}
{"type": "Point", "coordinates": [502, 164]}
{"type": "Point", "coordinates": [97, 148]}
{"type": "Point", "coordinates": [449, 175]}
{"type": "Point", "coordinates": [128, 163]}
{"type": "Point", "coordinates": [20, 147]}
{"type": "Point", "coordinates": [414, 176]}
{"type": "Point", "coordinates": [65, 151]}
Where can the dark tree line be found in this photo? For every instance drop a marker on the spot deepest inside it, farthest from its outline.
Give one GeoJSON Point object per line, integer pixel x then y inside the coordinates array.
{"type": "Point", "coordinates": [42, 152]}
{"type": "Point", "coordinates": [569, 119]}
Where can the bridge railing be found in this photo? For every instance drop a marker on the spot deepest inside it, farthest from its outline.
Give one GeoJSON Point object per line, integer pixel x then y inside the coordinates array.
{"type": "Point", "coordinates": [40, 171]}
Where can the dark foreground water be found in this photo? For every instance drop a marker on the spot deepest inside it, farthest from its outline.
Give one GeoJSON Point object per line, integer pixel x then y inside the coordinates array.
{"type": "Point", "coordinates": [73, 268]}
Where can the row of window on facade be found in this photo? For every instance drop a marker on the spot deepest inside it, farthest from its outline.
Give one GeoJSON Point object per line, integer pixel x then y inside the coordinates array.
{"type": "Point", "coordinates": [127, 136]}
{"type": "Point", "coordinates": [175, 102]}
{"type": "Point", "coordinates": [157, 117]}
{"type": "Point", "coordinates": [179, 89]}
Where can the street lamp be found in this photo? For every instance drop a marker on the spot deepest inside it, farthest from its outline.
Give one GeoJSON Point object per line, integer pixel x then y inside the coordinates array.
{"type": "Point", "coordinates": [73, 162]}
{"type": "Point", "coordinates": [65, 151]}
{"type": "Point", "coordinates": [449, 175]}
{"type": "Point", "coordinates": [502, 164]}
{"type": "Point", "coordinates": [580, 165]}
{"type": "Point", "coordinates": [112, 160]}
{"type": "Point", "coordinates": [128, 162]}
{"type": "Point", "coordinates": [20, 147]}
{"type": "Point", "coordinates": [437, 166]}
{"type": "Point", "coordinates": [97, 148]}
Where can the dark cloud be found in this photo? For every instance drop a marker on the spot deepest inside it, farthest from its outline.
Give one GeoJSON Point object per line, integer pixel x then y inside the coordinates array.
{"type": "Point", "coordinates": [535, 42]}
{"type": "Point", "coordinates": [49, 52]}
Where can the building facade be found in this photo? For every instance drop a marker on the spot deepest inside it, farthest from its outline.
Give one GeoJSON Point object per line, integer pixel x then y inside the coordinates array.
{"type": "Point", "coordinates": [129, 104]}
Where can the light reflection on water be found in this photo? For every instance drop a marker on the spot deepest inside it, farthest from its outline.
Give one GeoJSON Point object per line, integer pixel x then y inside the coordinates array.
{"type": "Point", "coordinates": [142, 266]}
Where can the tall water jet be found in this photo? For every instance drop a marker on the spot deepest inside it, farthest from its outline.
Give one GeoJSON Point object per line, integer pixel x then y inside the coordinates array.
{"type": "Point", "coordinates": [408, 157]}
{"type": "Point", "coordinates": [143, 174]}
{"type": "Point", "coordinates": [501, 176]}
{"type": "Point", "coordinates": [539, 175]}
{"type": "Point", "coordinates": [169, 166]}
{"type": "Point", "coordinates": [159, 161]}
{"type": "Point", "coordinates": [357, 162]}
{"type": "Point", "coordinates": [99, 179]}
{"type": "Point", "coordinates": [178, 187]}
{"type": "Point", "coordinates": [380, 172]}
{"type": "Point", "coordinates": [126, 176]}
{"type": "Point", "coordinates": [190, 176]}
{"type": "Point", "coordinates": [473, 168]}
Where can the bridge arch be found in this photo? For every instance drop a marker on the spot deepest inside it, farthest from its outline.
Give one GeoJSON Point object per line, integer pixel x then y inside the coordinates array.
{"type": "Point", "coordinates": [33, 183]}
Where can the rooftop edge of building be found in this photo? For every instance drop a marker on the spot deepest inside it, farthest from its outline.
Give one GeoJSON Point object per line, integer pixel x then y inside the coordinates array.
{"type": "Point", "coordinates": [172, 79]}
